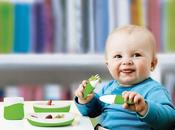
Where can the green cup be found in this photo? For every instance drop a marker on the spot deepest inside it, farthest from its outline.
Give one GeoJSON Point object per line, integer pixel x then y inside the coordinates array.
{"type": "Point", "coordinates": [14, 108]}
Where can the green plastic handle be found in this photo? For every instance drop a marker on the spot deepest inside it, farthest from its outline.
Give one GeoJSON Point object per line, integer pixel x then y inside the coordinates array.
{"type": "Point", "coordinates": [120, 100]}
{"type": "Point", "coordinates": [88, 89]}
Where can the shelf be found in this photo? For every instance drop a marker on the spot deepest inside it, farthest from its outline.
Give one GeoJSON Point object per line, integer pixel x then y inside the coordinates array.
{"type": "Point", "coordinates": [50, 68]}
{"type": "Point", "coordinates": [166, 59]}
{"type": "Point", "coordinates": [62, 68]}
{"type": "Point", "coordinates": [16, 60]}
{"type": "Point", "coordinates": [51, 59]}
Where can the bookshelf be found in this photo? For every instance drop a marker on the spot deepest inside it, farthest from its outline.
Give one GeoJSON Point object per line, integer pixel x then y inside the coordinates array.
{"type": "Point", "coordinates": [62, 38]}
{"type": "Point", "coordinates": [64, 68]}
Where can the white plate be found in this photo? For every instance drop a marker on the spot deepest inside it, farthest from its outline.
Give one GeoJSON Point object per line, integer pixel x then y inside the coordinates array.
{"type": "Point", "coordinates": [109, 99]}
{"type": "Point", "coordinates": [39, 119]}
{"type": "Point", "coordinates": [114, 99]}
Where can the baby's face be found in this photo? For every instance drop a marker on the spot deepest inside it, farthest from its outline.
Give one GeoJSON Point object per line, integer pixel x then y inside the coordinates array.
{"type": "Point", "coordinates": [129, 57]}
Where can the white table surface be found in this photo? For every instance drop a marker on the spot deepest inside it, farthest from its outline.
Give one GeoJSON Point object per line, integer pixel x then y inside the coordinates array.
{"type": "Point", "coordinates": [80, 122]}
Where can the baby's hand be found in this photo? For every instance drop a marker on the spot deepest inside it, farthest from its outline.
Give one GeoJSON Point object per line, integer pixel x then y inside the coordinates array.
{"type": "Point", "coordinates": [79, 93]}
{"type": "Point", "coordinates": [139, 105]}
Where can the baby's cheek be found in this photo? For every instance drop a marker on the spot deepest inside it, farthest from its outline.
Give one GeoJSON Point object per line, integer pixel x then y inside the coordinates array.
{"type": "Point", "coordinates": [114, 69]}
{"type": "Point", "coordinates": [143, 70]}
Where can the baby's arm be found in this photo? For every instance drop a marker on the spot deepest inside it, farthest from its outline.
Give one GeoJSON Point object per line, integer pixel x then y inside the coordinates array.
{"type": "Point", "coordinates": [79, 93]}
{"type": "Point", "coordinates": [157, 111]}
{"type": "Point", "coordinates": [139, 105]}
{"type": "Point", "coordinates": [89, 106]}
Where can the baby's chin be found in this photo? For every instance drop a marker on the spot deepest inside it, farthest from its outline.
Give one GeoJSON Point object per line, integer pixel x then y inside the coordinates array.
{"type": "Point", "coordinates": [128, 83]}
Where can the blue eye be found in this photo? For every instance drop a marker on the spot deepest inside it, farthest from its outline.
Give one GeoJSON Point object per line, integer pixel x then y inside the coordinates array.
{"type": "Point", "coordinates": [137, 55]}
{"type": "Point", "coordinates": [117, 56]}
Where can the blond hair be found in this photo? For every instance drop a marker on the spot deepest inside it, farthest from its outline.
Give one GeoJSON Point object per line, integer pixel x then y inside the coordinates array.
{"type": "Point", "coordinates": [130, 29]}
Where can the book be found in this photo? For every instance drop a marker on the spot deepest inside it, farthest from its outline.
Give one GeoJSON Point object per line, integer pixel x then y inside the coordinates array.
{"type": "Point", "coordinates": [71, 23]}
{"type": "Point", "coordinates": [1, 94]}
{"type": "Point", "coordinates": [27, 91]}
{"type": "Point", "coordinates": [163, 28]}
{"type": "Point", "coordinates": [101, 15]}
{"type": "Point", "coordinates": [52, 92]}
{"type": "Point", "coordinates": [136, 9]}
{"type": "Point", "coordinates": [11, 90]}
{"type": "Point", "coordinates": [38, 92]}
{"type": "Point", "coordinates": [39, 29]}
{"type": "Point", "coordinates": [6, 27]}
{"type": "Point", "coordinates": [59, 32]}
{"type": "Point", "coordinates": [121, 6]}
{"type": "Point", "coordinates": [48, 25]}
{"type": "Point", "coordinates": [154, 18]}
{"type": "Point", "coordinates": [169, 25]}
{"type": "Point", "coordinates": [22, 27]}
{"type": "Point", "coordinates": [91, 30]}
{"type": "Point", "coordinates": [84, 34]}
{"type": "Point", "coordinates": [112, 17]}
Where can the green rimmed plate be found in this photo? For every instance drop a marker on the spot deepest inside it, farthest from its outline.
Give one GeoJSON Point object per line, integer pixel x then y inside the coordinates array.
{"type": "Point", "coordinates": [55, 107]}
{"type": "Point", "coordinates": [39, 119]}
{"type": "Point", "coordinates": [114, 99]}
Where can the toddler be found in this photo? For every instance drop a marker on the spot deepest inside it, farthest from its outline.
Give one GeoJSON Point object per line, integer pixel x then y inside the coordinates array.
{"type": "Point", "coordinates": [130, 56]}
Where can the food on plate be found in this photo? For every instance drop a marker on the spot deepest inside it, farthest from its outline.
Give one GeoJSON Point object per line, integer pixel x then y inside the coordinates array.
{"type": "Point", "coordinates": [34, 116]}
{"type": "Point", "coordinates": [54, 117]}
{"type": "Point", "coordinates": [49, 116]}
{"type": "Point", "coordinates": [50, 119]}
{"type": "Point", "coordinates": [59, 116]}
{"type": "Point", "coordinates": [49, 102]}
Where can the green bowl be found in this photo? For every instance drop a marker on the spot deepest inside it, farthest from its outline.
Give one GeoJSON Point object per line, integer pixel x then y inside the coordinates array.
{"type": "Point", "coordinates": [56, 107]}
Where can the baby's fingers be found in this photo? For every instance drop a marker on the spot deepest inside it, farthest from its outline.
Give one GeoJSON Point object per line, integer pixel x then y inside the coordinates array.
{"type": "Point", "coordinates": [128, 96]}
{"type": "Point", "coordinates": [84, 82]}
{"type": "Point", "coordinates": [79, 91]}
{"type": "Point", "coordinates": [126, 105]}
{"type": "Point", "coordinates": [137, 99]}
{"type": "Point", "coordinates": [90, 96]}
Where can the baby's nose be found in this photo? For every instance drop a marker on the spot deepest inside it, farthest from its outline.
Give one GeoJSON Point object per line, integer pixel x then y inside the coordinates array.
{"type": "Point", "coordinates": [127, 61]}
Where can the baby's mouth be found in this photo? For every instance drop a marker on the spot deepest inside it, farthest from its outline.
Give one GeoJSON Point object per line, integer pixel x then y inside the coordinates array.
{"type": "Point", "coordinates": [127, 71]}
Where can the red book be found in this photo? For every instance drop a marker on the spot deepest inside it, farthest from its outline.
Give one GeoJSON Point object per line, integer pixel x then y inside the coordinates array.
{"type": "Point", "coordinates": [154, 13]}
{"type": "Point", "coordinates": [31, 92]}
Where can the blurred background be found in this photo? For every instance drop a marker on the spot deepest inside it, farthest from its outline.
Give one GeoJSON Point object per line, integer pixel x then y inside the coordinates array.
{"type": "Point", "coordinates": [73, 31]}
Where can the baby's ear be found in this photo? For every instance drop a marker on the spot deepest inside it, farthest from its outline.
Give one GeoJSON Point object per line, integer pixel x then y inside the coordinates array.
{"type": "Point", "coordinates": [154, 63]}
{"type": "Point", "coordinates": [106, 62]}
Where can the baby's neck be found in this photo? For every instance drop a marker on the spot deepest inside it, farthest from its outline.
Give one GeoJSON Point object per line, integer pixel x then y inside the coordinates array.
{"type": "Point", "coordinates": [125, 85]}
{"type": "Point", "coordinates": [129, 85]}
